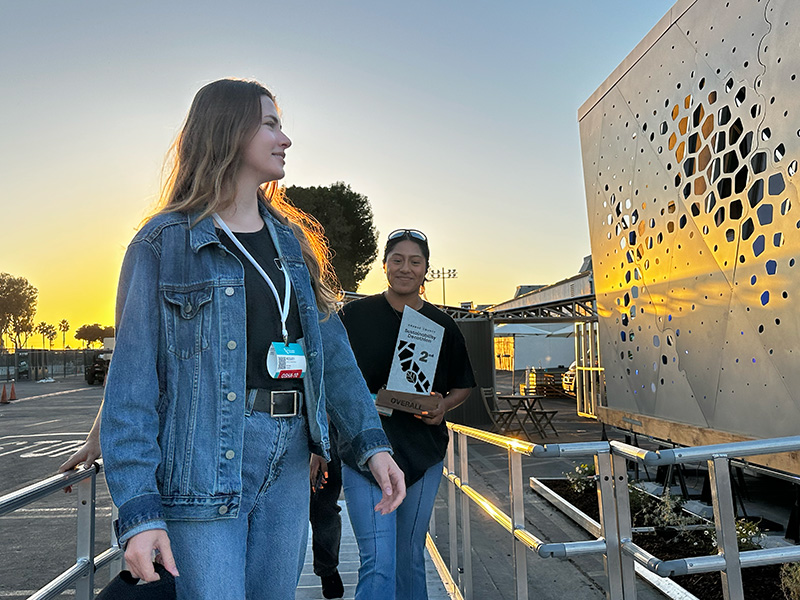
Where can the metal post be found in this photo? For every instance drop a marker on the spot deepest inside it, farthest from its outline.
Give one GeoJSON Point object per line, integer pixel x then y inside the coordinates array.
{"type": "Point", "coordinates": [725, 523]}
{"type": "Point", "coordinates": [432, 523]}
{"type": "Point", "coordinates": [600, 373]}
{"type": "Point", "coordinates": [593, 362]}
{"type": "Point", "coordinates": [608, 524]}
{"type": "Point", "coordinates": [516, 491]}
{"type": "Point", "coordinates": [116, 565]}
{"type": "Point", "coordinates": [84, 587]}
{"type": "Point", "coordinates": [451, 507]}
{"type": "Point", "coordinates": [624, 523]}
{"type": "Point", "coordinates": [578, 399]}
{"type": "Point", "coordinates": [466, 531]}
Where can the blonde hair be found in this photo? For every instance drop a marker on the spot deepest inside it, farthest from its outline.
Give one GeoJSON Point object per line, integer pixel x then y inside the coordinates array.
{"type": "Point", "coordinates": [205, 162]}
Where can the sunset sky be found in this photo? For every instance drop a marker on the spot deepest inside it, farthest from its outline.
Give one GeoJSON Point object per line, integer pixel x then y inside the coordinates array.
{"type": "Point", "coordinates": [458, 118]}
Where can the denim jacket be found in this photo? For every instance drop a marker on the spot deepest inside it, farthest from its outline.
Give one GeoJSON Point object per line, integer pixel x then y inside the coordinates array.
{"type": "Point", "coordinates": [173, 417]}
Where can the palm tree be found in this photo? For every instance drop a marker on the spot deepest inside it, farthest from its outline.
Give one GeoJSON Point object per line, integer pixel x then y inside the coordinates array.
{"type": "Point", "coordinates": [42, 328]}
{"type": "Point", "coordinates": [63, 327]}
{"type": "Point", "coordinates": [51, 334]}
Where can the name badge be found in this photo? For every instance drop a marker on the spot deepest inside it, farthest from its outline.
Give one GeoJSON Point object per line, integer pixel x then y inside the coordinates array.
{"type": "Point", "coordinates": [286, 361]}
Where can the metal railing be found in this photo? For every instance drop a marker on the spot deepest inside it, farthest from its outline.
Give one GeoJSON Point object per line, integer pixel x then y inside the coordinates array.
{"type": "Point", "coordinates": [81, 574]}
{"type": "Point", "coordinates": [622, 555]}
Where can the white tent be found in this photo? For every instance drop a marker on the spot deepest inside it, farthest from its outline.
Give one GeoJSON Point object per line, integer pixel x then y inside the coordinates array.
{"type": "Point", "coordinates": [545, 345]}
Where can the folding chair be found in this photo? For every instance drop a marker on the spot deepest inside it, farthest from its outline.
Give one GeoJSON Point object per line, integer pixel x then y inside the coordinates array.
{"type": "Point", "coordinates": [543, 419]}
{"type": "Point", "coordinates": [501, 417]}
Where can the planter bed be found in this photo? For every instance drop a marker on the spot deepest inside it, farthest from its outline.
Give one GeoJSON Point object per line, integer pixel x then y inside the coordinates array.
{"type": "Point", "coordinates": [760, 583]}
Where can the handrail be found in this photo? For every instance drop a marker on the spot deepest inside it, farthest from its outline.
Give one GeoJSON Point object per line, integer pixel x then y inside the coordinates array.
{"type": "Point", "coordinates": [675, 456]}
{"type": "Point", "coordinates": [81, 574]}
{"type": "Point", "coordinates": [502, 441]}
{"type": "Point", "coordinates": [615, 542]}
{"type": "Point", "coordinates": [38, 490]}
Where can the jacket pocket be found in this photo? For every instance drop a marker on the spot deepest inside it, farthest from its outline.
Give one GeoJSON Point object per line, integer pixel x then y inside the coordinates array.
{"type": "Point", "coordinates": [187, 320]}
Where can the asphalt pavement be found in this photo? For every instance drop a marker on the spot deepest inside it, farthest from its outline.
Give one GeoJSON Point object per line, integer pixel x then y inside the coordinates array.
{"type": "Point", "coordinates": [50, 420]}
{"type": "Point", "coordinates": [38, 431]}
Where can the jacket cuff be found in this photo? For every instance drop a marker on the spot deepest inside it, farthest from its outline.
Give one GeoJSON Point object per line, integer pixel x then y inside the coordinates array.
{"type": "Point", "coordinates": [145, 526]}
{"type": "Point", "coordinates": [139, 514]}
{"type": "Point", "coordinates": [368, 443]}
{"type": "Point", "coordinates": [364, 459]}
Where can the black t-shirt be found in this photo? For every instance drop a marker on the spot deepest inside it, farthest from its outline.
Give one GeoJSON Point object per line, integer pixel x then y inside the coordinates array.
{"type": "Point", "coordinates": [373, 326]}
{"type": "Point", "coordinates": [263, 317]}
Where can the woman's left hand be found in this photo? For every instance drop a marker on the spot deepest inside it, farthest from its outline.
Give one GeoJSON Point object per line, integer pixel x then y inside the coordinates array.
{"type": "Point", "coordinates": [390, 479]}
{"type": "Point", "coordinates": [436, 415]}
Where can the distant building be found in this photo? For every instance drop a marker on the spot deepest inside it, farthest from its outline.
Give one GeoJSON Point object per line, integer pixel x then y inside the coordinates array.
{"type": "Point", "coordinates": [526, 289]}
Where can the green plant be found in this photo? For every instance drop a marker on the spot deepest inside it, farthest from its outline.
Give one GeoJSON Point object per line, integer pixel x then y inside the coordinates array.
{"type": "Point", "coordinates": [790, 581]}
{"type": "Point", "coordinates": [668, 512]}
{"type": "Point", "coordinates": [640, 502]}
{"type": "Point", "coordinates": [582, 478]}
{"type": "Point", "coordinates": [748, 535]}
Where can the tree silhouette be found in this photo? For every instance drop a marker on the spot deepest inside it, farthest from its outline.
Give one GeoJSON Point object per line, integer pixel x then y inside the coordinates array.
{"type": "Point", "coordinates": [63, 327]}
{"type": "Point", "coordinates": [17, 308]}
{"type": "Point", "coordinates": [347, 218]}
{"type": "Point", "coordinates": [42, 328]}
{"type": "Point", "coordinates": [90, 333]}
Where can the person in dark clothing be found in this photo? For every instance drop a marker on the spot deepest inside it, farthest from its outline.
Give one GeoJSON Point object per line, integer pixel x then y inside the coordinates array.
{"type": "Point", "coordinates": [326, 522]}
{"type": "Point", "coordinates": [392, 548]}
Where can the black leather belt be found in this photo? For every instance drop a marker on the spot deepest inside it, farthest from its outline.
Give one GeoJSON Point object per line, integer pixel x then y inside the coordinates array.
{"type": "Point", "coordinates": [278, 403]}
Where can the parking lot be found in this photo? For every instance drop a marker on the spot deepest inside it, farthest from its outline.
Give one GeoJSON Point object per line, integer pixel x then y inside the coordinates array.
{"type": "Point", "coordinates": [38, 432]}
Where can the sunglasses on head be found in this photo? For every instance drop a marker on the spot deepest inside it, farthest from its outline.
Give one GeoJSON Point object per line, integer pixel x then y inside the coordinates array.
{"type": "Point", "coordinates": [412, 233]}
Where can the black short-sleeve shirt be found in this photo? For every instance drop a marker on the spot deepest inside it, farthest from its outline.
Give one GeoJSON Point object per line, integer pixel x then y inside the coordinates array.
{"type": "Point", "coordinates": [263, 318]}
{"type": "Point", "coordinates": [373, 326]}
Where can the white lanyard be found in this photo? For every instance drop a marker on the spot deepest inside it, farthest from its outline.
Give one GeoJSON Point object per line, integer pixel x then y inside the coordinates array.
{"type": "Point", "coordinates": [283, 309]}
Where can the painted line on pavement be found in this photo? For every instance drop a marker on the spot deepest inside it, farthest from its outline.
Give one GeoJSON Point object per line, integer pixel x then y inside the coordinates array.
{"type": "Point", "coordinates": [83, 389]}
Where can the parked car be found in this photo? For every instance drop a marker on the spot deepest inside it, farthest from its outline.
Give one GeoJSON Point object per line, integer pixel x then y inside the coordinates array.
{"type": "Point", "coordinates": [568, 379]}
{"type": "Point", "coordinates": [96, 369]}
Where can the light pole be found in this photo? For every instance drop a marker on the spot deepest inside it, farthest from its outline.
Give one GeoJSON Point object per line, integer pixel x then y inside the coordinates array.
{"type": "Point", "coordinates": [443, 274]}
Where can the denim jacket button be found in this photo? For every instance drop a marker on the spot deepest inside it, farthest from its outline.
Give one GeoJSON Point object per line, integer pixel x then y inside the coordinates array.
{"type": "Point", "coordinates": [229, 291]}
{"type": "Point", "coordinates": [230, 454]}
{"type": "Point", "coordinates": [223, 510]}
{"type": "Point", "coordinates": [231, 345]}
{"type": "Point", "coordinates": [187, 308]}
{"type": "Point", "coordinates": [231, 396]}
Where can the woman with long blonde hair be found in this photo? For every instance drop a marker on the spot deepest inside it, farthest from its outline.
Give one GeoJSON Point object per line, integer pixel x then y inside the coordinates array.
{"type": "Point", "coordinates": [228, 359]}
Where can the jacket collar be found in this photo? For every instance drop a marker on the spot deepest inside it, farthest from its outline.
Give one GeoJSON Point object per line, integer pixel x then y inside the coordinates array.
{"type": "Point", "coordinates": [202, 231]}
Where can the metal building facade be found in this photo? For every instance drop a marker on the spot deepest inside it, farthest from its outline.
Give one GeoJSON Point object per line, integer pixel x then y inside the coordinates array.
{"type": "Point", "coordinates": [690, 154]}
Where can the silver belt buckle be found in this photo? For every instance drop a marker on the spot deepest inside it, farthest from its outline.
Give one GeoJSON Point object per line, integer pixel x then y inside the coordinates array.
{"type": "Point", "coordinates": [278, 401]}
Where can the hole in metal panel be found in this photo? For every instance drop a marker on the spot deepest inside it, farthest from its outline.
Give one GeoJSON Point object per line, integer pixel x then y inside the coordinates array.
{"type": "Point", "coordinates": [759, 162]}
{"type": "Point", "coordinates": [747, 229]}
{"type": "Point", "coordinates": [735, 131]}
{"type": "Point", "coordinates": [776, 184]}
{"type": "Point", "coordinates": [741, 180]}
{"type": "Point", "coordinates": [735, 210]}
{"type": "Point", "coordinates": [756, 193]}
{"type": "Point", "coordinates": [758, 246]}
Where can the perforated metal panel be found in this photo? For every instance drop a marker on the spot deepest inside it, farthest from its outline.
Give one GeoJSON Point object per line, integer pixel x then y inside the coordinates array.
{"type": "Point", "coordinates": [690, 155]}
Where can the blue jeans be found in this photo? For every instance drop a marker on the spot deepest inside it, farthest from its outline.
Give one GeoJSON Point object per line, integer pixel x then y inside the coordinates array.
{"type": "Point", "coordinates": [259, 554]}
{"type": "Point", "coordinates": [393, 543]}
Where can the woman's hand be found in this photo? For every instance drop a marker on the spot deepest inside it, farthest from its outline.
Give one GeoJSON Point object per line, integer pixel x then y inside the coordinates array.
{"type": "Point", "coordinates": [140, 550]}
{"type": "Point", "coordinates": [390, 479]}
{"type": "Point", "coordinates": [436, 415]}
{"type": "Point", "coordinates": [86, 454]}
{"type": "Point", "coordinates": [455, 397]}
{"type": "Point", "coordinates": [317, 465]}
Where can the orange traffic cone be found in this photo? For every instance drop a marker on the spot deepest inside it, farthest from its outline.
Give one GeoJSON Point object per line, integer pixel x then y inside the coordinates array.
{"type": "Point", "coordinates": [3, 398]}
{"type": "Point", "coordinates": [13, 394]}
